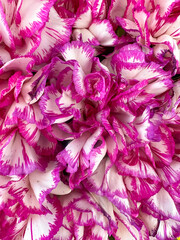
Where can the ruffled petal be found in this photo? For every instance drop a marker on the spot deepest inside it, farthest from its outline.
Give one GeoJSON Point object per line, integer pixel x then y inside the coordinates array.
{"type": "Point", "coordinates": [163, 204]}
{"type": "Point", "coordinates": [28, 22]}
{"type": "Point", "coordinates": [43, 183]}
{"type": "Point", "coordinates": [117, 9]}
{"type": "Point", "coordinates": [107, 182]}
{"type": "Point", "coordinates": [134, 164]}
{"type": "Point", "coordinates": [81, 52]}
{"type": "Point", "coordinates": [84, 35]}
{"type": "Point", "coordinates": [49, 222]}
{"type": "Point", "coordinates": [57, 107]}
{"type": "Point", "coordinates": [83, 17]}
{"type": "Point", "coordinates": [56, 32]}
{"type": "Point", "coordinates": [33, 89]}
{"type": "Point", "coordinates": [23, 64]}
{"type": "Point", "coordinates": [164, 149]}
{"type": "Point", "coordinates": [130, 228]}
{"type": "Point", "coordinates": [70, 155]}
{"type": "Point", "coordinates": [6, 199]}
{"type": "Point", "coordinates": [5, 33]}
{"type": "Point", "coordinates": [166, 7]}
{"type": "Point", "coordinates": [17, 157]}
{"type": "Point", "coordinates": [107, 36]}
{"type": "Point", "coordinates": [141, 17]}
{"type": "Point", "coordinates": [141, 188]}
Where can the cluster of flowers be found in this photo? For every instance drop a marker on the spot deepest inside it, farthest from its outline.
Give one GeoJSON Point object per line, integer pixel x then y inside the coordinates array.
{"type": "Point", "coordinates": [89, 119]}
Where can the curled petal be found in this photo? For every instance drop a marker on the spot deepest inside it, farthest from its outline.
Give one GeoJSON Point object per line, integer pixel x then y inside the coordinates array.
{"type": "Point", "coordinates": [164, 149]}
{"type": "Point", "coordinates": [84, 17]}
{"type": "Point", "coordinates": [107, 36]}
{"type": "Point", "coordinates": [33, 89]}
{"type": "Point", "coordinates": [5, 33]}
{"type": "Point", "coordinates": [81, 52]}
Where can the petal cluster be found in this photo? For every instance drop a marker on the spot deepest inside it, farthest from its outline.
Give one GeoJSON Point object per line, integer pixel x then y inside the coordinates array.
{"type": "Point", "coordinates": [89, 120]}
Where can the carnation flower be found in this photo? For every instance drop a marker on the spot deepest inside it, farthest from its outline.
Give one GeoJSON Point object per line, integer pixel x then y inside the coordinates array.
{"type": "Point", "coordinates": [32, 33]}
{"type": "Point", "coordinates": [152, 23]}
{"type": "Point", "coordinates": [89, 113]}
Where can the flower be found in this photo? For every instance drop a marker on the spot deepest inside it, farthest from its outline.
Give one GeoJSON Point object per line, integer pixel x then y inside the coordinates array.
{"type": "Point", "coordinates": [32, 33]}
{"type": "Point", "coordinates": [89, 113]}
{"type": "Point", "coordinates": [152, 23]}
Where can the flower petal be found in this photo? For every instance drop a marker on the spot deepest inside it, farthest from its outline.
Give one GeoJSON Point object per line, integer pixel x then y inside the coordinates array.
{"type": "Point", "coordinates": [107, 182]}
{"type": "Point", "coordinates": [164, 149]}
{"type": "Point", "coordinates": [43, 183]}
{"type": "Point", "coordinates": [56, 32]}
{"type": "Point", "coordinates": [107, 36]}
{"type": "Point", "coordinates": [141, 188]}
{"type": "Point", "coordinates": [83, 17]}
{"type": "Point", "coordinates": [44, 226]}
{"type": "Point", "coordinates": [28, 22]}
{"type": "Point", "coordinates": [163, 204]}
{"type": "Point", "coordinates": [70, 155]}
{"type": "Point", "coordinates": [5, 33]}
{"type": "Point", "coordinates": [17, 157]}
{"type": "Point", "coordinates": [81, 52]}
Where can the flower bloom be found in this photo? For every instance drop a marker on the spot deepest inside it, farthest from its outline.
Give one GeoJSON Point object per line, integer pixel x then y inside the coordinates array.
{"type": "Point", "coordinates": [152, 23]}
{"type": "Point", "coordinates": [35, 32]}
{"type": "Point", "coordinates": [89, 133]}
{"type": "Point", "coordinates": [90, 16]}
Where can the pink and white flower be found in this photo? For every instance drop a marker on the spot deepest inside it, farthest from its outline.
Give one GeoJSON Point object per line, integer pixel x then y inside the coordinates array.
{"type": "Point", "coordinates": [152, 23]}
{"type": "Point", "coordinates": [35, 32]}
{"type": "Point", "coordinates": [89, 120]}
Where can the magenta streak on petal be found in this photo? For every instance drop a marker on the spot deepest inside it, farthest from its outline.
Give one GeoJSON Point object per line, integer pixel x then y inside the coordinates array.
{"type": "Point", "coordinates": [6, 34]}
{"type": "Point", "coordinates": [31, 230]}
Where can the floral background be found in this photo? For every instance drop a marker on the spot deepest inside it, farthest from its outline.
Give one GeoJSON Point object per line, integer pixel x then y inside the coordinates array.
{"type": "Point", "coordinates": [89, 119]}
